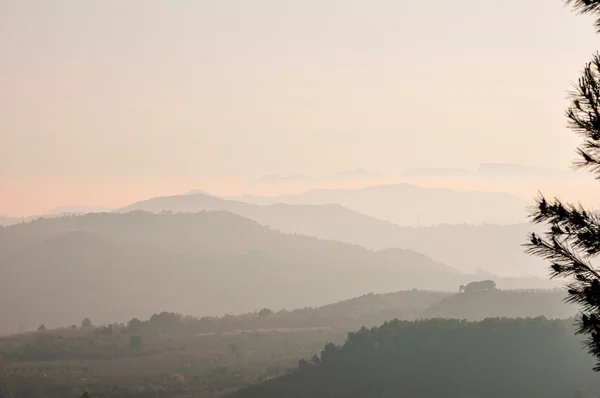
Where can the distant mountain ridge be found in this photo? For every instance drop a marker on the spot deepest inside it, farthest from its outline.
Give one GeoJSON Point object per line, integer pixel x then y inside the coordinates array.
{"type": "Point", "coordinates": [204, 263]}
{"type": "Point", "coordinates": [484, 170]}
{"type": "Point", "coordinates": [407, 204]}
{"type": "Point", "coordinates": [112, 265]}
{"type": "Point", "coordinates": [496, 248]}
{"type": "Point", "coordinates": [496, 170]}
{"type": "Point", "coordinates": [77, 210]}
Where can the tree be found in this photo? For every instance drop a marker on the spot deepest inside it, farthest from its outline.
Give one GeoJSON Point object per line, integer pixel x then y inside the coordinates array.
{"type": "Point", "coordinates": [135, 343]}
{"type": "Point", "coordinates": [587, 7]}
{"type": "Point", "coordinates": [86, 323]}
{"type": "Point", "coordinates": [42, 328]}
{"type": "Point", "coordinates": [235, 350]}
{"type": "Point", "coordinates": [573, 236]}
{"type": "Point", "coordinates": [480, 286]}
{"type": "Point", "coordinates": [265, 312]}
{"type": "Point", "coordinates": [134, 325]}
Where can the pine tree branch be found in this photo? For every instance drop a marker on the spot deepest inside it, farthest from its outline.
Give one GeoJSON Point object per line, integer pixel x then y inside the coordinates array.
{"type": "Point", "coordinates": [572, 224]}
{"type": "Point", "coordinates": [586, 7]}
{"type": "Point", "coordinates": [564, 261]}
{"type": "Point", "coordinates": [584, 116]}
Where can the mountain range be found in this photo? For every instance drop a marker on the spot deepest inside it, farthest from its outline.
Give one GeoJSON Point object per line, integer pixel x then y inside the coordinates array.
{"type": "Point", "coordinates": [407, 204]}
{"type": "Point", "coordinates": [496, 248]}
{"type": "Point", "coordinates": [484, 171]}
{"type": "Point", "coordinates": [124, 265]}
{"type": "Point", "coordinates": [115, 266]}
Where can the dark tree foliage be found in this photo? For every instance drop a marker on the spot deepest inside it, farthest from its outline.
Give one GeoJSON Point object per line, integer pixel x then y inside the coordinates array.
{"type": "Point", "coordinates": [494, 358]}
{"type": "Point", "coordinates": [573, 237]}
{"type": "Point", "coordinates": [586, 7]}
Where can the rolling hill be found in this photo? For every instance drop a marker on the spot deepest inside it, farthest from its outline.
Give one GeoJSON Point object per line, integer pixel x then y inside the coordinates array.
{"type": "Point", "coordinates": [116, 266]}
{"type": "Point", "coordinates": [496, 248]}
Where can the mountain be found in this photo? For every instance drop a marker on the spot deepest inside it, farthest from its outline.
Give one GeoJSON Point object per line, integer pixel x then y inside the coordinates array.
{"type": "Point", "coordinates": [5, 221]}
{"type": "Point", "coordinates": [63, 210]}
{"type": "Point", "coordinates": [494, 171]}
{"type": "Point", "coordinates": [59, 270]}
{"type": "Point", "coordinates": [497, 248]}
{"type": "Point", "coordinates": [477, 306]}
{"type": "Point", "coordinates": [407, 204]}
{"type": "Point", "coordinates": [57, 212]}
{"type": "Point", "coordinates": [198, 192]}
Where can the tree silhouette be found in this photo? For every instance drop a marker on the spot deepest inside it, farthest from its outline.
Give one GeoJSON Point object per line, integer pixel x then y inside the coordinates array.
{"type": "Point", "coordinates": [134, 325]}
{"type": "Point", "coordinates": [573, 236]}
{"type": "Point", "coordinates": [265, 312]}
{"type": "Point", "coordinates": [86, 323]}
{"type": "Point", "coordinates": [135, 343]}
{"type": "Point", "coordinates": [587, 7]}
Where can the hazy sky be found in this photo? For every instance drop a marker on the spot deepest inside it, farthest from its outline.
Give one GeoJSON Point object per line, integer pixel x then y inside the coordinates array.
{"type": "Point", "coordinates": [108, 101]}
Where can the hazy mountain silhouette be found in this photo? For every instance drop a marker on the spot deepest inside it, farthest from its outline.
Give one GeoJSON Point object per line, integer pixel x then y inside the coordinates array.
{"type": "Point", "coordinates": [476, 306]}
{"type": "Point", "coordinates": [59, 270]}
{"type": "Point", "coordinates": [496, 170]}
{"type": "Point", "coordinates": [5, 221]}
{"type": "Point", "coordinates": [496, 248]}
{"type": "Point", "coordinates": [407, 204]}
{"type": "Point", "coordinates": [63, 210]}
{"type": "Point", "coordinates": [198, 192]}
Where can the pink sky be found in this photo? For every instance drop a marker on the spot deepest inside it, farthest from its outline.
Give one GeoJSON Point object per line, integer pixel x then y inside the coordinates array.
{"type": "Point", "coordinates": [110, 102]}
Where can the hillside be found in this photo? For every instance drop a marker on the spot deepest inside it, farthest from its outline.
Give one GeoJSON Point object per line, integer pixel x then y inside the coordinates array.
{"type": "Point", "coordinates": [407, 204]}
{"type": "Point", "coordinates": [214, 355]}
{"type": "Point", "coordinates": [5, 221]}
{"type": "Point", "coordinates": [476, 306]}
{"type": "Point", "coordinates": [60, 270]}
{"type": "Point", "coordinates": [496, 248]}
{"type": "Point", "coordinates": [519, 358]}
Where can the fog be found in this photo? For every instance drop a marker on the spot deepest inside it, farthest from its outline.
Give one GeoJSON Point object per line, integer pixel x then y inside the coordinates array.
{"type": "Point", "coordinates": [297, 198]}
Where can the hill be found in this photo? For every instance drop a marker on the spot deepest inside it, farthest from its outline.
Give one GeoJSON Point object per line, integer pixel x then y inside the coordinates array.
{"type": "Point", "coordinates": [407, 204]}
{"type": "Point", "coordinates": [212, 355]}
{"type": "Point", "coordinates": [497, 248]}
{"type": "Point", "coordinates": [64, 210]}
{"type": "Point", "coordinates": [60, 270]}
{"type": "Point", "coordinates": [476, 306]}
{"type": "Point", "coordinates": [500, 358]}
{"type": "Point", "coordinates": [5, 221]}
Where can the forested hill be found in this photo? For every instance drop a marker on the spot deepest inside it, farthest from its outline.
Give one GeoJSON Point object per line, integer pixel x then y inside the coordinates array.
{"type": "Point", "coordinates": [494, 358]}
{"type": "Point", "coordinates": [215, 354]}
{"type": "Point", "coordinates": [502, 303]}
{"type": "Point", "coordinates": [208, 263]}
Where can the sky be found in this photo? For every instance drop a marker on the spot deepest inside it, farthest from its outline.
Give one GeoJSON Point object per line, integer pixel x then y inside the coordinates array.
{"type": "Point", "coordinates": [113, 101]}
